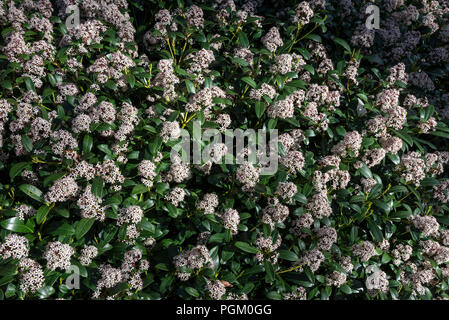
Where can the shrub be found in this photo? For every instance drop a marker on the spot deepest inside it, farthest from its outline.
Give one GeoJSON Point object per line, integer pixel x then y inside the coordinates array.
{"type": "Point", "coordinates": [92, 109]}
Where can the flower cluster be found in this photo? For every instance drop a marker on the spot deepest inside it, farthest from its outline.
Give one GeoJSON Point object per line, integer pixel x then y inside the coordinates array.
{"type": "Point", "coordinates": [92, 110]}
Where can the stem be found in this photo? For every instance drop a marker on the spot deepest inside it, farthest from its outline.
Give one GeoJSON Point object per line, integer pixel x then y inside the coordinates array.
{"type": "Point", "coordinates": [291, 269]}
{"type": "Point", "coordinates": [386, 190]}
{"type": "Point", "coordinates": [169, 47]}
{"type": "Point", "coordinates": [236, 31]}
{"type": "Point", "coordinates": [400, 200]}
{"type": "Point", "coordinates": [188, 120]}
{"type": "Point", "coordinates": [298, 28]}
{"type": "Point", "coordinates": [44, 107]}
{"type": "Point", "coordinates": [260, 223]}
{"type": "Point", "coordinates": [183, 49]}
{"type": "Point", "coordinates": [313, 29]}
{"type": "Point", "coordinates": [244, 92]}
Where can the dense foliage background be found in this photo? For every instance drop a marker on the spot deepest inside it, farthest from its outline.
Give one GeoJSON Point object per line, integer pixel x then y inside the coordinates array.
{"type": "Point", "coordinates": [88, 116]}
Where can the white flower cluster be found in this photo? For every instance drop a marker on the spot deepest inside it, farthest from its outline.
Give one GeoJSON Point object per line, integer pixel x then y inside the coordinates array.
{"type": "Point", "coordinates": [87, 254]}
{"type": "Point", "coordinates": [193, 259]}
{"type": "Point", "coordinates": [231, 220]}
{"type": "Point", "coordinates": [58, 255]}
{"type": "Point", "coordinates": [14, 246]}
{"type": "Point", "coordinates": [209, 203]}
{"type": "Point", "coordinates": [31, 275]}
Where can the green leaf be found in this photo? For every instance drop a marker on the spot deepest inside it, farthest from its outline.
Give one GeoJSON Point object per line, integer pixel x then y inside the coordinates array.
{"type": "Point", "coordinates": [240, 61]}
{"type": "Point", "coordinates": [440, 134]}
{"type": "Point", "coordinates": [7, 85]}
{"type": "Point", "coordinates": [402, 214]}
{"type": "Point", "coordinates": [190, 86]}
{"type": "Point", "coordinates": [172, 210]}
{"type": "Point", "coordinates": [314, 37]}
{"type": "Point", "coordinates": [394, 158]}
{"type": "Point", "coordinates": [6, 279]}
{"type": "Point", "coordinates": [365, 171]}
{"type": "Point", "coordinates": [271, 124]}
{"type": "Point", "coordinates": [300, 198]}
{"type": "Point", "coordinates": [7, 30]}
{"type": "Point", "coordinates": [259, 108]}
{"type": "Point", "coordinates": [9, 269]}
{"type": "Point", "coordinates": [246, 247]}
{"type": "Point", "coordinates": [121, 287]}
{"type": "Point", "coordinates": [340, 130]}
{"type": "Point", "coordinates": [217, 237]}
{"type": "Point", "coordinates": [309, 133]}
{"type": "Point", "coordinates": [41, 214]}
{"type": "Point", "coordinates": [298, 84]}
{"type": "Point", "coordinates": [192, 291]}
{"type": "Point", "coordinates": [105, 148]}
{"type": "Point", "coordinates": [27, 143]}
{"type": "Point", "coordinates": [87, 143]}
{"type": "Point", "coordinates": [243, 40]}
{"type": "Point", "coordinates": [405, 137]}
{"type": "Point", "coordinates": [443, 220]}
{"type": "Point", "coordinates": [222, 101]}
{"type": "Point", "coordinates": [139, 188]}
{"type": "Point", "coordinates": [304, 53]}
{"type": "Point", "coordinates": [226, 255]}
{"type": "Point", "coordinates": [29, 84]}
{"type": "Point", "coordinates": [325, 293]}
{"type": "Point", "coordinates": [162, 187]}
{"type": "Point", "coordinates": [398, 189]}
{"type": "Point", "coordinates": [166, 283]}
{"type": "Point", "coordinates": [353, 236]}
{"type": "Point", "coordinates": [386, 206]}
{"type": "Point", "coordinates": [250, 82]}
{"type": "Point", "coordinates": [248, 287]}
{"type": "Point", "coordinates": [97, 187]}
{"type": "Point", "coordinates": [269, 272]}
{"type": "Point", "coordinates": [16, 225]}
{"type": "Point", "coordinates": [429, 182]}
{"type": "Point", "coordinates": [52, 79]}
{"type": "Point", "coordinates": [155, 145]}
{"type": "Point", "coordinates": [32, 192]}
{"type": "Point", "coordinates": [429, 111]}
{"type": "Point", "coordinates": [208, 83]}
{"type": "Point", "coordinates": [273, 295]}
{"type": "Point", "coordinates": [83, 227]}
{"type": "Point", "coordinates": [53, 177]}
{"type": "Point", "coordinates": [162, 266]}
{"type": "Point", "coordinates": [288, 255]}
{"type": "Point", "coordinates": [150, 128]}
{"type": "Point", "coordinates": [386, 258]}
{"type": "Point", "coordinates": [343, 43]}
{"type": "Point", "coordinates": [375, 231]}
{"type": "Point", "coordinates": [131, 79]}
{"type": "Point", "coordinates": [45, 292]}
{"type": "Point", "coordinates": [17, 169]}
{"type": "Point", "coordinates": [346, 289]}
{"type": "Point", "coordinates": [64, 230]}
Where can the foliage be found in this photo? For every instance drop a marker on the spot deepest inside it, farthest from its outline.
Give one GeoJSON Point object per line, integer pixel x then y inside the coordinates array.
{"type": "Point", "coordinates": [88, 118]}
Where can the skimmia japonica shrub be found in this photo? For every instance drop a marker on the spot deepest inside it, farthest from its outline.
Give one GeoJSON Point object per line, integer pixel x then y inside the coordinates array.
{"type": "Point", "coordinates": [96, 95]}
